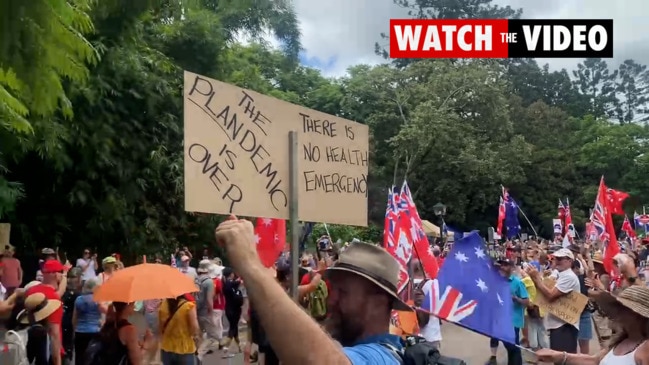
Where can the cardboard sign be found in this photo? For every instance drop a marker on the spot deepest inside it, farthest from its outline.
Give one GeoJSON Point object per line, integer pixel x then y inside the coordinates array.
{"type": "Point", "coordinates": [237, 156]}
{"type": "Point", "coordinates": [567, 307]}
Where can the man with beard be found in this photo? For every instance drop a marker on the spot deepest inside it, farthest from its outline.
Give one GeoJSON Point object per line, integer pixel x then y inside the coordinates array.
{"type": "Point", "coordinates": [363, 293]}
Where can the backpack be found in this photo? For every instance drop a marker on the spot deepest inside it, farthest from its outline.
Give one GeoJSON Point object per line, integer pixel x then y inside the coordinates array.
{"type": "Point", "coordinates": [13, 348]}
{"type": "Point", "coordinates": [98, 353]}
{"type": "Point", "coordinates": [316, 301]}
{"type": "Point", "coordinates": [200, 297]}
{"type": "Point", "coordinates": [417, 351]}
{"type": "Point", "coordinates": [422, 317]}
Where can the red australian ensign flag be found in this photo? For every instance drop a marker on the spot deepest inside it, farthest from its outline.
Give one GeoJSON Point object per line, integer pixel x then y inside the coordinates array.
{"type": "Point", "coordinates": [270, 236]}
{"type": "Point", "coordinates": [615, 200]}
{"type": "Point", "coordinates": [501, 38]}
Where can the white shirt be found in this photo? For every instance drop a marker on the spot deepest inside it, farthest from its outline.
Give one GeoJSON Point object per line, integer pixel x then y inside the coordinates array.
{"type": "Point", "coordinates": [567, 282]}
{"type": "Point", "coordinates": [189, 271]}
{"type": "Point", "coordinates": [432, 331]}
{"type": "Point", "coordinates": [88, 273]}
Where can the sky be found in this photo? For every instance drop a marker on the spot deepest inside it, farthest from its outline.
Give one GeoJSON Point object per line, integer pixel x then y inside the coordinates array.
{"type": "Point", "coordinates": [337, 34]}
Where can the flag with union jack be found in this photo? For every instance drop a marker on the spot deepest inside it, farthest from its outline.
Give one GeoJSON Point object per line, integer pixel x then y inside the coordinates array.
{"type": "Point", "coordinates": [395, 237]}
{"type": "Point", "coordinates": [598, 216]}
{"type": "Point", "coordinates": [470, 291]}
{"type": "Point", "coordinates": [603, 221]}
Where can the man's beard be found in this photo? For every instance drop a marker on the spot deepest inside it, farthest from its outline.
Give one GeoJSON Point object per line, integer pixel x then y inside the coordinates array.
{"type": "Point", "coordinates": [343, 330]}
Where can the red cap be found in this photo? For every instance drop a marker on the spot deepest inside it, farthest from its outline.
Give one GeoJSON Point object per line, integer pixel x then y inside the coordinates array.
{"type": "Point", "coordinates": [52, 266]}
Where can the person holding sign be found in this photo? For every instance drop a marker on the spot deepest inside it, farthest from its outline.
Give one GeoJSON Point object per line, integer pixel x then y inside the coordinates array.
{"type": "Point", "coordinates": [628, 347]}
{"type": "Point", "coordinates": [563, 335]}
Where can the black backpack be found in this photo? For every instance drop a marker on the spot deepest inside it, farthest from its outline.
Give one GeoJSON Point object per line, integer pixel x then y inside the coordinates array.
{"type": "Point", "coordinates": [100, 352]}
{"type": "Point", "coordinates": [417, 351]}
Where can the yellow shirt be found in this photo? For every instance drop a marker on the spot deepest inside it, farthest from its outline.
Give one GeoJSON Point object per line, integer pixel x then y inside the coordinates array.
{"type": "Point", "coordinates": [177, 337]}
{"type": "Point", "coordinates": [531, 292]}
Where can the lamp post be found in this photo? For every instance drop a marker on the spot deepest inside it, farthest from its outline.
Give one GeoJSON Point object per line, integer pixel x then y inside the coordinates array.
{"type": "Point", "coordinates": [440, 210]}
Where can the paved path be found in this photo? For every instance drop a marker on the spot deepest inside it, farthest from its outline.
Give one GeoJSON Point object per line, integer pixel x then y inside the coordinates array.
{"type": "Point", "coordinates": [458, 342]}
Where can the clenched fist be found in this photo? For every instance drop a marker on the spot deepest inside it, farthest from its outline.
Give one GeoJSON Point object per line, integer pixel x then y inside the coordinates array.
{"type": "Point", "coordinates": [238, 238]}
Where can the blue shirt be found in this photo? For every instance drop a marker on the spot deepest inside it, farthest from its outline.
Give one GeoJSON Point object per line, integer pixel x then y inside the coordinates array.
{"type": "Point", "coordinates": [370, 351]}
{"type": "Point", "coordinates": [518, 290]}
{"type": "Point", "coordinates": [88, 314]}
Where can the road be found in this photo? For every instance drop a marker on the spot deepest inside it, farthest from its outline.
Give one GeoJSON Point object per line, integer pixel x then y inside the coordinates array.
{"type": "Point", "coordinates": [457, 342]}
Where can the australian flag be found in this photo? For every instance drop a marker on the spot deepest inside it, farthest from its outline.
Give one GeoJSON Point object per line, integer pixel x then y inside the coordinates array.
{"type": "Point", "coordinates": [470, 291]}
{"type": "Point", "coordinates": [511, 215]}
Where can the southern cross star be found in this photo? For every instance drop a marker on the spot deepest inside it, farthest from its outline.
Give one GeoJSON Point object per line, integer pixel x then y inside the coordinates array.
{"type": "Point", "coordinates": [267, 221]}
{"type": "Point", "coordinates": [257, 239]}
{"type": "Point", "coordinates": [461, 257]}
{"type": "Point", "coordinates": [479, 252]}
{"type": "Point", "coordinates": [500, 300]}
{"type": "Point", "coordinates": [481, 284]}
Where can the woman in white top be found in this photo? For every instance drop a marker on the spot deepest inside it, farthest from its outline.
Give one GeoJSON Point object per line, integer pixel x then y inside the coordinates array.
{"type": "Point", "coordinates": [630, 309]}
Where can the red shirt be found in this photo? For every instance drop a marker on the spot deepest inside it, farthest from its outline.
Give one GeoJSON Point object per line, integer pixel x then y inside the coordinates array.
{"type": "Point", "coordinates": [219, 298]}
{"type": "Point", "coordinates": [57, 316]}
{"type": "Point", "coordinates": [306, 279]}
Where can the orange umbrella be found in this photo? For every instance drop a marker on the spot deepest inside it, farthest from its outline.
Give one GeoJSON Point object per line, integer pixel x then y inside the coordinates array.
{"type": "Point", "coordinates": [143, 282]}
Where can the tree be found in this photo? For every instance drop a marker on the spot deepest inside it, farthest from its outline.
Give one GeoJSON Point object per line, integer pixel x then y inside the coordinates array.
{"type": "Point", "coordinates": [633, 92]}
{"type": "Point", "coordinates": [595, 80]}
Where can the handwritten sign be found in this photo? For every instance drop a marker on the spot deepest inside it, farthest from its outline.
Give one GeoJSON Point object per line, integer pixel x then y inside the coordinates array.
{"type": "Point", "coordinates": [237, 156]}
{"type": "Point", "coordinates": [567, 307]}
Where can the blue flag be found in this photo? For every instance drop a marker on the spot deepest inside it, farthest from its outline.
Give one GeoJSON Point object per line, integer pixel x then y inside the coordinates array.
{"type": "Point", "coordinates": [511, 216]}
{"type": "Point", "coordinates": [471, 292]}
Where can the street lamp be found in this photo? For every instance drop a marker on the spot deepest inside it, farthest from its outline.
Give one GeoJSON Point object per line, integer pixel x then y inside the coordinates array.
{"type": "Point", "coordinates": [439, 209]}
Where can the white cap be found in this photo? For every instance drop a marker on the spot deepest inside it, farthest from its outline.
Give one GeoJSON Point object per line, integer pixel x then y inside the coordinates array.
{"type": "Point", "coordinates": [564, 252]}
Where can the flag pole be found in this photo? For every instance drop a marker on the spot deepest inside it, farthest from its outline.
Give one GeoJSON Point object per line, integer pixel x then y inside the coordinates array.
{"type": "Point", "coordinates": [528, 221]}
{"type": "Point", "coordinates": [502, 187]}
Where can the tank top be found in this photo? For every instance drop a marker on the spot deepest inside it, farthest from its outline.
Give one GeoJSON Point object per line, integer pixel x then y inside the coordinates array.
{"type": "Point", "coordinates": [626, 359]}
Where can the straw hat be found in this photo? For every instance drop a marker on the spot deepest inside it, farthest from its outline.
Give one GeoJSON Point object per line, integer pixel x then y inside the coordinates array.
{"type": "Point", "coordinates": [635, 298]}
{"type": "Point", "coordinates": [37, 308]}
{"type": "Point", "coordinates": [5, 234]}
{"type": "Point", "coordinates": [597, 257]}
{"type": "Point", "coordinates": [374, 264]}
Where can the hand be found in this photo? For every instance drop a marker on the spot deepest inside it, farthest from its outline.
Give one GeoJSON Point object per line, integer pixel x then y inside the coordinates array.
{"type": "Point", "coordinates": [594, 283]}
{"type": "Point", "coordinates": [532, 272]}
{"type": "Point", "coordinates": [94, 256]}
{"type": "Point", "coordinates": [547, 272]}
{"type": "Point", "coordinates": [547, 355]}
{"type": "Point", "coordinates": [322, 266]}
{"type": "Point", "coordinates": [148, 336]}
{"type": "Point", "coordinates": [237, 236]}
{"type": "Point", "coordinates": [19, 292]}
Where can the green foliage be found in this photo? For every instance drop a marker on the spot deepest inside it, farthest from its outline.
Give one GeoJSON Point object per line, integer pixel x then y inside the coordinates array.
{"type": "Point", "coordinates": [91, 120]}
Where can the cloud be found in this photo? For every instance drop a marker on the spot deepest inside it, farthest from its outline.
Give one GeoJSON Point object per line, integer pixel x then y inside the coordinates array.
{"type": "Point", "coordinates": [324, 65]}
{"type": "Point", "coordinates": [346, 31]}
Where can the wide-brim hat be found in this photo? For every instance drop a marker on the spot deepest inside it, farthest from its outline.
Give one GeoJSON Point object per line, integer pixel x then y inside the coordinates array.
{"type": "Point", "coordinates": [374, 264]}
{"type": "Point", "coordinates": [204, 266]}
{"type": "Point", "coordinates": [635, 298]}
{"type": "Point", "coordinates": [37, 308]}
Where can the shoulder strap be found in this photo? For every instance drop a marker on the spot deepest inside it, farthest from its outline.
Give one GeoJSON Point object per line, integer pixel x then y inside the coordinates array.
{"type": "Point", "coordinates": [171, 316]}
{"type": "Point", "coordinates": [398, 354]}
